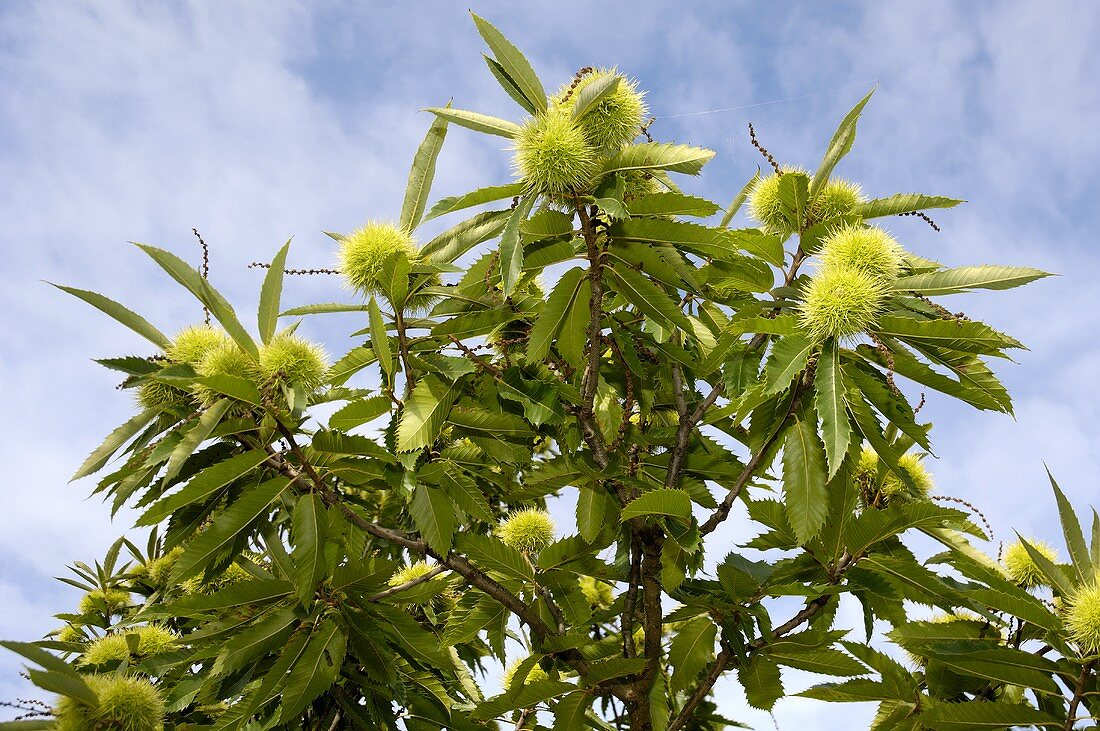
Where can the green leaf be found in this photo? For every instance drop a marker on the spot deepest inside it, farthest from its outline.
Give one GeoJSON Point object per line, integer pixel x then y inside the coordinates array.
{"type": "Point", "coordinates": [65, 684]}
{"type": "Point", "coordinates": [310, 529]}
{"type": "Point", "coordinates": [477, 121]}
{"type": "Point", "coordinates": [673, 503]}
{"type": "Point", "coordinates": [804, 477]}
{"type": "Point", "coordinates": [380, 341]}
{"type": "Point", "coordinates": [513, 63]}
{"type": "Point", "coordinates": [40, 657]}
{"type": "Point", "coordinates": [511, 248]}
{"type": "Point", "coordinates": [234, 387]}
{"type": "Point", "coordinates": [595, 510]}
{"type": "Point", "coordinates": [659, 156]}
{"type": "Point", "coordinates": [762, 681]}
{"type": "Point", "coordinates": [434, 516]}
{"type": "Point", "coordinates": [425, 413]}
{"type": "Point", "coordinates": [509, 84]}
{"type": "Point", "coordinates": [692, 649]}
{"type": "Point", "coordinates": [821, 660]}
{"type": "Point", "coordinates": [902, 203]}
{"type": "Point", "coordinates": [553, 314]}
{"type": "Point", "coordinates": [114, 441]}
{"type": "Point", "coordinates": [195, 436]}
{"type": "Point", "coordinates": [839, 146]}
{"type": "Point", "coordinates": [999, 664]}
{"type": "Point", "coordinates": [421, 175]}
{"type": "Point", "coordinates": [127, 317]}
{"type": "Point", "coordinates": [1075, 536]}
{"type": "Point", "coordinates": [1052, 571]}
{"type": "Point", "coordinates": [257, 640]}
{"type": "Point", "coordinates": [270, 294]}
{"type": "Point", "coordinates": [219, 307]}
{"type": "Point", "coordinates": [529, 695]}
{"type": "Point", "coordinates": [243, 593]}
{"type": "Point", "coordinates": [359, 412]}
{"type": "Point", "coordinates": [788, 358]}
{"type": "Point", "coordinates": [739, 200]}
{"type": "Point", "coordinates": [456, 241]}
{"type": "Point", "coordinates": [968, 336]}
{"type": "Point", "coordinates": [573, 333]}
{"type": "Point", "coordinates": [315, 670]}
{"type": "Point", "coordinates": [205, 547]}
{"type": "Point", "coordinates": [985, 714]}
{"type": "Point", "coordinates": [475, 198]}
{"type": "Point", "coordinates": [594, 93]}
{"type": "Point", "coordinates": [570, 710]}
{"type": "Point", "coordinates": [203, 485]}
{"type": "Point", "coordinates": [668, 203]}
{"type": "Point", "coordinates": [964, 279]}
{"type": "Point", "coordinates": [651, 300]}
{"type": "Point", "coordinates": [491, 554]}
{"type": "Point", "coordinates": [832, 406]}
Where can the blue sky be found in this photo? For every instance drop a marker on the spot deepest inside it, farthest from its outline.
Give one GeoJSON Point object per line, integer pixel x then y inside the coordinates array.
{"type": "Point", "coordinates": [259, 121]}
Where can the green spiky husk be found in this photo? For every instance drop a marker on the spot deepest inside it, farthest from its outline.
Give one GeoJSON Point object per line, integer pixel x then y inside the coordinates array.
{"type": "Point", "coordinates": [293, 360]}
{"type": "Point", "coordinates": [841, 303]}
{"type": "Point", "coordinates": [867, 249]}
{"type": "Point", "coordinates": [409, 573]}
{"type": "Point", "coordinates": [893, 489]}
{"type": "Point", "coordinates": [765, 205]}
{"type": "Point", "coordinates": [553, 155]}
{"type": "Point", "coordinates": [363, 253]}
{"type": "Point", "coordinates": [160, 396]}
{"type": "Point", "coordinates": [225, 359]}
{"type": "Point", "coordinates": [836, 198]}
{"type": "Point", "coordinates": [1021, 568]}
{"type": "Point", "coordinates": [193, 343]}
{"type": "Point", "coordinates": [125, 704]}
{"type": "Point", "coordinates": [113, 599]}
{"type": "Point", "coordinates": [1083, 618]}
{"type": "Point", "coordinates": [535, 675]}
{"type": "Point", "coordinates": [615, 120]}
{"type": "Point", "coordinates": [529, 530]}
{"type": "Point", "coordinates": [232, 574]}
{"type": "Point", "coordinates": [598, 593]}
{"type": "Point", "coordinates": [114, 648]}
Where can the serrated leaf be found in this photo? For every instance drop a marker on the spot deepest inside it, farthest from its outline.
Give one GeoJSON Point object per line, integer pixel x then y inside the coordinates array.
{"type": "Point", "coordinates": [529, 695]}
{"type": "Point", "coordinates": [203, 485]}
{"type": "Point", "coordinates": [114, 441]}
{"type": "Point", "coordinates": [969, 336]}
{"type": "Point", "coordinates": [475, 198]}
{"type": "Point", "coordinates": [316, 669]}
{"type": "Point", "coordinates": [553, 314]}
{"type": "Point", "coordinates": [491, 554]}
{"type": "Point", "coordinates": [421, 175]}
{"type": "Point", "coordinates": [380, 341]}
{"type": "Point", "coordinates": [310, 529]}
{"type": "Point", "coordinates": [839, 146]}
{"type": "Point", "coordinates": [127, 317]}
{"type": "Point", "coordinates": [651, 300]}
{"type": "Point", "coordinates": [964, 279]}
{"type": "Point", "coordinates": [832, 406]}
{"type": "Point", "coordinates": [668, 203]}
{"type": "Point", "coordinates": [270, 294]}
{"type": "Point", "coordinates": [804, 477]}
{"type": "Point", "coordinates": [359, 412]}
{"type": "Point", "coordinates": [434, 516]}
{"type": "Point", "coordinates": [594, 93]}
{"type": "Point", "coordinates": [208, 545]}
{"type": "Point", "coordinates": [691, 650]}
{"type": "Point", "coordinates": [659, 156]}
{"type": "Point", "coordinates": [1074, 535]}
{"type": "Point", "coordinates": [788, 358]}
{"type": "Point", "coordinates": [477, 121]}
{"type": "Point", "coordinates": [513, 63]}
{"type": "Point", "coordinates": [64, 684]}
{"type": "Point", "coordinates": [985, 714]}
{"type": "Point", "coordinates": [595, 509]}
{"type": "Point", "coordinates": [196, 435]}
{"type": "Point", "coordinates": [739, 200]}
{"type": "Point", "coordinates": [673, 503]}
{"type": "Point", "coordinates": [266, 635]}
{"type": "Point", "coordinates": [511, 248]}
{"type": "Point", "coordinates": [425, 413]}
{"type": "Point", "coordinates": [570, 710]}
{"type": "Point", "coordinates": [902, 203]}
{"type": "Point", "coordinates": [509, 85]}
{"type": "Point", "coordinates": [762, 681]}
{"type": "Point", "coordinates": [456, 241]}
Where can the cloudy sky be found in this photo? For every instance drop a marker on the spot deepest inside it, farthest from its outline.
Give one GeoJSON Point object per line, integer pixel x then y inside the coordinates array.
{"type": "Point", "coordinates": [255, 122]}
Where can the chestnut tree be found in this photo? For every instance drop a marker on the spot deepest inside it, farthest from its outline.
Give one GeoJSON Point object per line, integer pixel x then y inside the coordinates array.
{"type": "Point", "coordinates": [352, 544]}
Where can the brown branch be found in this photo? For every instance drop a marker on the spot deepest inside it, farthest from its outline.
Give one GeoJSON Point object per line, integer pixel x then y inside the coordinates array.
{"type": "Point", "coordinates": [1078, 693]}
{"type": "Point", "coordinates": [590, 378]}
{"type": "Point", "coordinates": [724, 660]}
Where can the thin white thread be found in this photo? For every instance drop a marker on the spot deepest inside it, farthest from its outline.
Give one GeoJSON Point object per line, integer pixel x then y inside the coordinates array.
{"type": "Point", "coordinates": [774, 101]}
